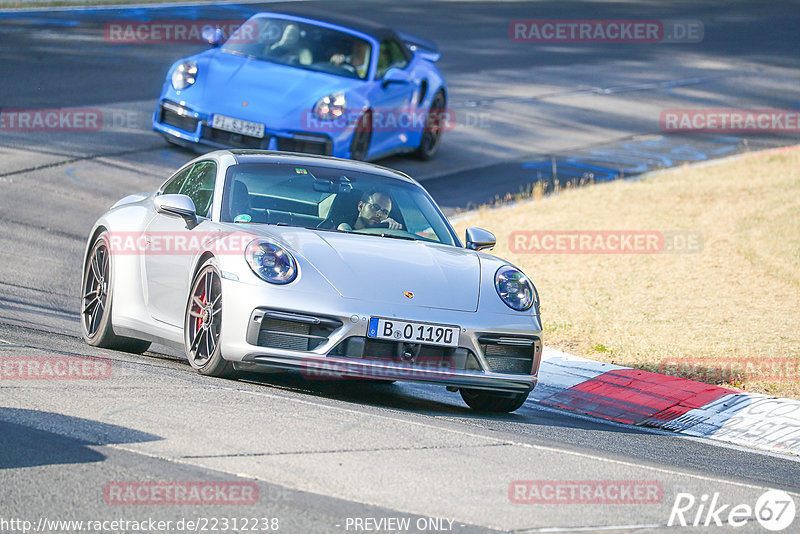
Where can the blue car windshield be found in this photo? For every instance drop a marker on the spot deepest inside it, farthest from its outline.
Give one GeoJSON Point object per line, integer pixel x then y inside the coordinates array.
{"type": "Point", "coordinates": [332, 200]}
{"type": "Point", "coordinates": [301, 45]}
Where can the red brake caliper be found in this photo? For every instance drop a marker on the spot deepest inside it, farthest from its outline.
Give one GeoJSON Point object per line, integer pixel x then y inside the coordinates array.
{"type": "Point", "coordinates": [200, 319]}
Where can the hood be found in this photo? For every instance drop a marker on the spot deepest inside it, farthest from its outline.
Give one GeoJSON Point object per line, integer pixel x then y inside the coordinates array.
{"type": "Point", "coordinates": [274, 93]}
{"type": "Point", "coordinates": [381, 269]}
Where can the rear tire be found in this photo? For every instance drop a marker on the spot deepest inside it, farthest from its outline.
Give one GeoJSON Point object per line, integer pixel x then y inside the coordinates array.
{"type": "Point", "coordinates": [203, 324]}
{"type": "Point", "coordinates": [489, 401]}
{"type": "Point", "coordinates": [432, 134]}
{"type": "Point", "coordinates": [96, 326]}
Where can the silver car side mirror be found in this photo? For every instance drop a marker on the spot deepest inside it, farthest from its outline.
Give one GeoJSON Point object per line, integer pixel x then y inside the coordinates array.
{"type": "Point", "coordinates": [480, 239]}
{"type": "Point", "coordinates": [177, 206]}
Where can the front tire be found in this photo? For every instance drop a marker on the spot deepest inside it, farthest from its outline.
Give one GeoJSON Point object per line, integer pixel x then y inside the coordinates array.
{"type": "Point", "coordinates": [96, 326]}
{"type": "Point", "coordinates": [489, 401]}
{"type": "Point", "coordinates": [362, 138]}
{"type": "Point", "coordinates": [170, 140]}
{"type": "Point", "coordinates": [203, 324]}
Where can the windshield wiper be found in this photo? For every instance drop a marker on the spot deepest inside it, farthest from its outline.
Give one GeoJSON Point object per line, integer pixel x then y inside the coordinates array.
{"type": "Point", "coordinates": [393, 236]}
{"type": "Point", "coordinates": [323, 229]}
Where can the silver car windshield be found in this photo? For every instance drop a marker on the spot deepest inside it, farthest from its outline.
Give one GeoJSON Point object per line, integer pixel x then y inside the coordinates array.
{"type": "Point", "coordinates": [301, 45]}
{"type": "Point", "coordinates": [329, 199]}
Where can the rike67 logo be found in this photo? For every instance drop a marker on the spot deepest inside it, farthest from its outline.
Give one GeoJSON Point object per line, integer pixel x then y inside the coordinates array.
{"type": "Point", "coordinates": [774, 510]}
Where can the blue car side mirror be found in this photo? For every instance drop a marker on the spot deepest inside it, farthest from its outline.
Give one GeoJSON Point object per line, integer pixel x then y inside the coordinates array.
{"type": "Point", "coordinates": [213, 36]}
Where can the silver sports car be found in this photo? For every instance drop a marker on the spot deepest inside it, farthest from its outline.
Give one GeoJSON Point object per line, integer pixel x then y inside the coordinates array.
{"type": "Point", "coordinates": [254, 260]}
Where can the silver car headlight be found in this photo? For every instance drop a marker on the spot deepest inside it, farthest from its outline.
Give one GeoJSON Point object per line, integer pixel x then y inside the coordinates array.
{"type": "Point", "coordinates": [514, 288]}
{"type": "Point", "coordinates": [330, 107]}
{"type": "Point", "coordinates": [271, 262]}
{"type": "Point", "coordinates": [184, 75]}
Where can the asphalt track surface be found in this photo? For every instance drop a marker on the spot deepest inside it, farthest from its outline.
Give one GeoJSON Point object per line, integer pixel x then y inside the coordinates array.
{"type": "Point", "coordinates": [325, 453]}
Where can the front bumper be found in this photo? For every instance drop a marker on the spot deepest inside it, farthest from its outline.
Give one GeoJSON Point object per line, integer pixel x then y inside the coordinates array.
{"type": "Point", "coordinates": [329, 354]}
{"type": "Point", "coordinates": [190, 127]}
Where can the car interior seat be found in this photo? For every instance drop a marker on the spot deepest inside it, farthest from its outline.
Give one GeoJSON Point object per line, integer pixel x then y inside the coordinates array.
{"type": "Point", "coordinates": [240, 200]}
{"type": "Point", "coordinates": [343, 209]}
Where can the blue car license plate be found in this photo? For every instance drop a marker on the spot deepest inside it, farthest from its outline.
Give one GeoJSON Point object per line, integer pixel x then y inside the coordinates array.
{"type": "Point", "coordinates": [229, 124]}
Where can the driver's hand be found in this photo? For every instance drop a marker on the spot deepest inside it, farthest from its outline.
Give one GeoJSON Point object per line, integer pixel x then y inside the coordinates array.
{"type": "Point", "coordinates": [337, 59]}
{"type": "Point", "coordinates": [393, 225]}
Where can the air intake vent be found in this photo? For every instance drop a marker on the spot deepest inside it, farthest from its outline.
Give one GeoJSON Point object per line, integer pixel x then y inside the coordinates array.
{"type": "Point", "coordinates": [286, 335]}
{"type": "Point", "coordinates": [233, 139]}
{"type": "Point", "coordinates": [177, 116]}
{"type": "Point", "coordinates": [509, 355]}
{"type": "Point", "coordinates": [318, 144]}
{"type": "Point", "coordinates": [430, 356]}
{"type": "Point", "coordinates": [290, 331]}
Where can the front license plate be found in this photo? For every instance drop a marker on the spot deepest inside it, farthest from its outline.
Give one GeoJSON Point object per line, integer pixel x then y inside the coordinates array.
{"type": "Point", "coordinates": [229, 124]}
{"type": "Point", "coordinates": [411, 332]}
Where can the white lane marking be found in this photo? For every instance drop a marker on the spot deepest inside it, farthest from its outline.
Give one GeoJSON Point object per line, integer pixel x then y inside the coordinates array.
{"type": "Point", "coordinates": [661, 432]}
{"type": "Point", "coordinates": [651, 468]}
{"type": "Point", "coordinates": [533, 403]}
{"type": "Point", "coordinates": [487, 438]}
{"type": "Point", "coordinates": [604, 528]}
{"type": "Point", "coordinates": [588, 529]}
{"type": "Point", "coordinates": [218, 469]}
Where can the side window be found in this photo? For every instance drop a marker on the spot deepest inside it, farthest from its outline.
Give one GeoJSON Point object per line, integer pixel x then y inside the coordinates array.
{"type": "Point", "coordinates": [173, 186]}
{"type": "Point", "coordinates": [199, 186]}
{"type": "Point", "coordinates": [390, 56]}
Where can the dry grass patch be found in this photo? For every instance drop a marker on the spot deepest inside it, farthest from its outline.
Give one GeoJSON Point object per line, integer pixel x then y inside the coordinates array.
{"type": "Point", "coordinates": [728, 315]}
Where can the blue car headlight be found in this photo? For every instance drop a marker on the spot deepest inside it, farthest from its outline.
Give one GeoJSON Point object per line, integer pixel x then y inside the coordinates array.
{"type": "Point", "coordinates": [271, 262]}
{"type": "Point", "coordinates": [184, 75]}
{"type": "Point", "coordinates": [514, 288]}
{"type": "Point", "coordinates": [330, 107]}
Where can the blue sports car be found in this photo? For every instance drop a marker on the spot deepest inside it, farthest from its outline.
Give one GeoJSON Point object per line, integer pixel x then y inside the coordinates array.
{"type": "Point", "coordinates": [330, 87]}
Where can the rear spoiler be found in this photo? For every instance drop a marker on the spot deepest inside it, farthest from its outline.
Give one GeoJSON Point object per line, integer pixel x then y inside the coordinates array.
{"type": "Point", "coordinates": [420, 46]}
